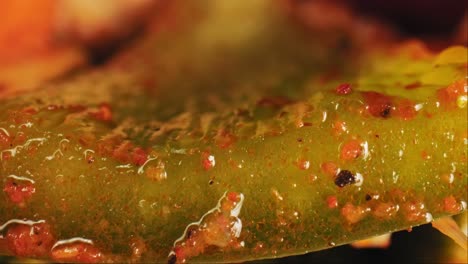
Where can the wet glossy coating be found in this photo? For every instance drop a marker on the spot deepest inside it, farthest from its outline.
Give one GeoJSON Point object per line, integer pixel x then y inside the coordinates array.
{"type": "Point", "coordinates": [197, 156]}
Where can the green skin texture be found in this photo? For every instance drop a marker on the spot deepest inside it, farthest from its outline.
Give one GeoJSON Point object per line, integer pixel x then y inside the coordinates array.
{"type": "Point", "coordinates": [260, 163]}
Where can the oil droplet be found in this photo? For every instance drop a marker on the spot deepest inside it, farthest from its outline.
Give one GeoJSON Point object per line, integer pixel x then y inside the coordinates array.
{"type": "Point", "coordinates": [462, 101]}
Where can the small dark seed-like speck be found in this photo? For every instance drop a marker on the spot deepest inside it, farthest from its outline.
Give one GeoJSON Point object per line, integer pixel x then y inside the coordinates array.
{"type": "Point", "coordinates": [345, 177]}
{"type": "Point", "coordinates": [368, 197]}
{"type": "Point", "coordinates": [386, 111]}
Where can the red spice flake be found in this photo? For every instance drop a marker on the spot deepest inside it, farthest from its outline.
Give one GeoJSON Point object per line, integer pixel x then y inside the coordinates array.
{"type": "Point", "coordinates": [274, 101]}
{"type": "Point", "coordinates": [448, 96]}
{"type": "Point", "coordinates": [413, 86]}
{"type": "Point", "coordinates": [385, 210]}
{"type": "Point", "coordinates": [77, 252]}
{"type": "Point", "coordinates": [450, 205]}
{"type": "Point", "coordinates": [123, 152]}
{"type": "Point", "coordinates": [405, 109]}
{"type": "Point", "coordinates": [378, 105]}
{"type": "Point", "coordinates": [208, 160]}
{"type": "Point", "coordinates": [425, 155]}
{"type": "Point", "coordinates": [351, 150]}
{"type": "Point", "coordinates": [353, 214]}
{"type": "Point", "coordinates": [30, 241]}
{"type": "Point", "coordinates": [19, 192]}
{"type": "Point", "coordinates": [343, 89]}
{"type": "Point", "coordinates": [414, 211]}
{"type": "Point", "coordinates": [29, 111]}
{"type": "Point", "coordinates": [329, 168]}
{"type": "Point", "coordinates": [332, 201]}
{"type": "Point", "coordinates": [303, 164]}
{"type": "Point", "coordinates": [139, 156]}
{"type": "Point", "coordinates": [234, 197]}
{"type": "Point", "coordinates": [5, 139]}
{"type": "Point", "coordinates": [339, 127]}
{"type": "Point", "coordinates": [104, 113]}
{"type": "Point", "coordinates": [224, 139]}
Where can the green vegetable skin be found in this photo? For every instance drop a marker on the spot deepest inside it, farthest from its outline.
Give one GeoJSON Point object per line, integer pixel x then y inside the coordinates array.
{"type": "Point", "coordinates": [238, 138]}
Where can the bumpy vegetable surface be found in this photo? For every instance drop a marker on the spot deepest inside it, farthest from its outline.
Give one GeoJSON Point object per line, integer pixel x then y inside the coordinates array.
{"type": "Point", "coordinates": [230, 147]}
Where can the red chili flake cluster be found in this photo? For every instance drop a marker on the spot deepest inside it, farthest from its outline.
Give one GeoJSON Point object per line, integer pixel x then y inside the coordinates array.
{"type": "Point", "coordinates": [208, 161]}
{"type": "Point", "coordinates": [414, 211]}
{"type": "Point", "coordinates": [76, 252]}
{"type": "Point", "coordinates": [5, 140]}
{"type": "Point", "coordinates": [378, 105]}
{"type": "Point", "coordinates": [353, 213]}
{"type": "Point", "coordinates": [405, 109]}
{"type": "Point", "coordinates": [19, 192]}
{"type": "Point", "coordinates": [127, 153]}
{"type": "Point", "coordinates": [344, 178]}
{"type": "Point", "coordinates": [343, 89]}
{"type": "Point", "coordinates": [104, 113]}
{"type": "Point", "coordinates": [30, 241]}
{"type": "Point", "coordinates": [351, 150]}
{"type": "Point", "coordinates": [224, 139]}
{"type": "Point", "coordinates": [449, 95]}
{"type": "Point", "coordinates": [384, 210]}
{"type": "Point", "coordinates": [22, 116]}
{"type": "Point", "coordinates": [451, 205]}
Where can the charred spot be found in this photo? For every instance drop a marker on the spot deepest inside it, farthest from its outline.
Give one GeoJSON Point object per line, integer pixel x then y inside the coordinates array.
{"type": "Point", "coordinates": [300, 140]}
{"type": "Point", "coordinates": [344, 177]}
{"type": "Point", "coordinates": [368, 197]}
{"type": "Point", "coordinates": [211, 182]}
{"type": "Point", "coordinates": [172, 259]}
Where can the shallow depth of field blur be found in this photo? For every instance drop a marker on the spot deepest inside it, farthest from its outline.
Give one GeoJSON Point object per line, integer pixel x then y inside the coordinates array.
{"type": "Point", "coordinates": [47, 40]}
